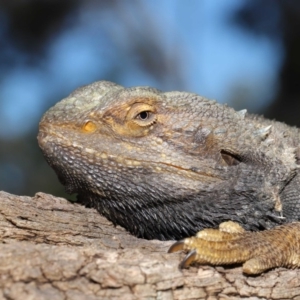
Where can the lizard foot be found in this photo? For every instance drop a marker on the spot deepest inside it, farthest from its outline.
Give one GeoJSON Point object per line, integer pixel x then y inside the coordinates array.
{"type": "Point", "coordinates": [231, 244]}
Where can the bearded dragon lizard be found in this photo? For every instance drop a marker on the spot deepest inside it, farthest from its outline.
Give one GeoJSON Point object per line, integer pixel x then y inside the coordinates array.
{"type": "Point", "coordinates": [168, 165]}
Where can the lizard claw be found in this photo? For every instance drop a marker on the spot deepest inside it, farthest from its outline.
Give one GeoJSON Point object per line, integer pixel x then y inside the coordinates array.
{"type": "Point", "coordinates": [189, 258]}
{"type": "Point", "coordinates": [178, 246]}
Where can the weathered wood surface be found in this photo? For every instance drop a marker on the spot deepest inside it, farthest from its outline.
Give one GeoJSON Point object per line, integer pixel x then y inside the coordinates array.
{"type": "Point", "coordinates": [53, 249]}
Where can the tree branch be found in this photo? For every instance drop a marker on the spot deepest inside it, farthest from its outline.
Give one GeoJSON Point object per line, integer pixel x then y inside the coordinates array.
{"type": "Point", "coordinates": [53, 249]}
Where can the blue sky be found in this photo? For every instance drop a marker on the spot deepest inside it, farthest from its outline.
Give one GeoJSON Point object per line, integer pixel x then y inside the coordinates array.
{"type": "Point", "coordinates": [214, 58]}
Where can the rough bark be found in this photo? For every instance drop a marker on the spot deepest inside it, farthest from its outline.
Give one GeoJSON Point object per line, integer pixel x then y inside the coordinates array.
{"type": "Point", "coordinates": [54, 249]}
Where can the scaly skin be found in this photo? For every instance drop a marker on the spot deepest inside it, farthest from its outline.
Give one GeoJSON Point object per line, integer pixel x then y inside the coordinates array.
{"type": "Point", "coordinates": [166, 165]}
{"type": "Point", "coordinates": [259, 251]}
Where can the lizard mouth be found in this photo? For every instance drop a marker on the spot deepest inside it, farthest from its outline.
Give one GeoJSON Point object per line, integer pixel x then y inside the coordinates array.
{"type": "Point", "coordinates": [77, 165]}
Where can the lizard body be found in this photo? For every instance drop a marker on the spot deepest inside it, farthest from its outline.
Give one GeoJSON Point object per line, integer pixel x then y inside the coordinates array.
{"type": "Point", "coordinates": [166, 165]}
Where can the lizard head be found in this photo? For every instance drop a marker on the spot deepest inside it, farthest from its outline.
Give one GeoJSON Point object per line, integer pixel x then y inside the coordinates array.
{"type": "Point", "coordinates": [143, 158]}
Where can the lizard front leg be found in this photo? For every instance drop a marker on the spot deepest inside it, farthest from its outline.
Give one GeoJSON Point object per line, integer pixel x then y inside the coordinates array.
{"type": "Point", "coordinates": [231, 244]}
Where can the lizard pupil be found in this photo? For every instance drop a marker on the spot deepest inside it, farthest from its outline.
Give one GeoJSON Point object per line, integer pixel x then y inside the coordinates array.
{"type": "Point", "coordinates": [144, 115]}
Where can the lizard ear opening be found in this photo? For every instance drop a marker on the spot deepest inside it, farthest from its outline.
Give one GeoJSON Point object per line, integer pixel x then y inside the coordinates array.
{"type": "Point", "coordinates": [231, 159]}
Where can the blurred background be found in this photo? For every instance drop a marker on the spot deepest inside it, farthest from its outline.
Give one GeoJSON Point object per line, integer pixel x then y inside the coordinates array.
{"type": "Point", "coordinates": [242, 52]}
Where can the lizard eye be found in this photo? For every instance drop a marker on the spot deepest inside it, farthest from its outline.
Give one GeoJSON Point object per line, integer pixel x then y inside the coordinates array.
{"type": "Point", "coordinates": [139, 119]}
{"type": "Point", "coordinates": [144, 115]}
{"type": "Point", "coordinates": [145, 118]}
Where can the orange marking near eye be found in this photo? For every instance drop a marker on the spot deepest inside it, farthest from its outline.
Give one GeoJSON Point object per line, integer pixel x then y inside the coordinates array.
{"type": "Point", "coordinates": [89, 126]}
